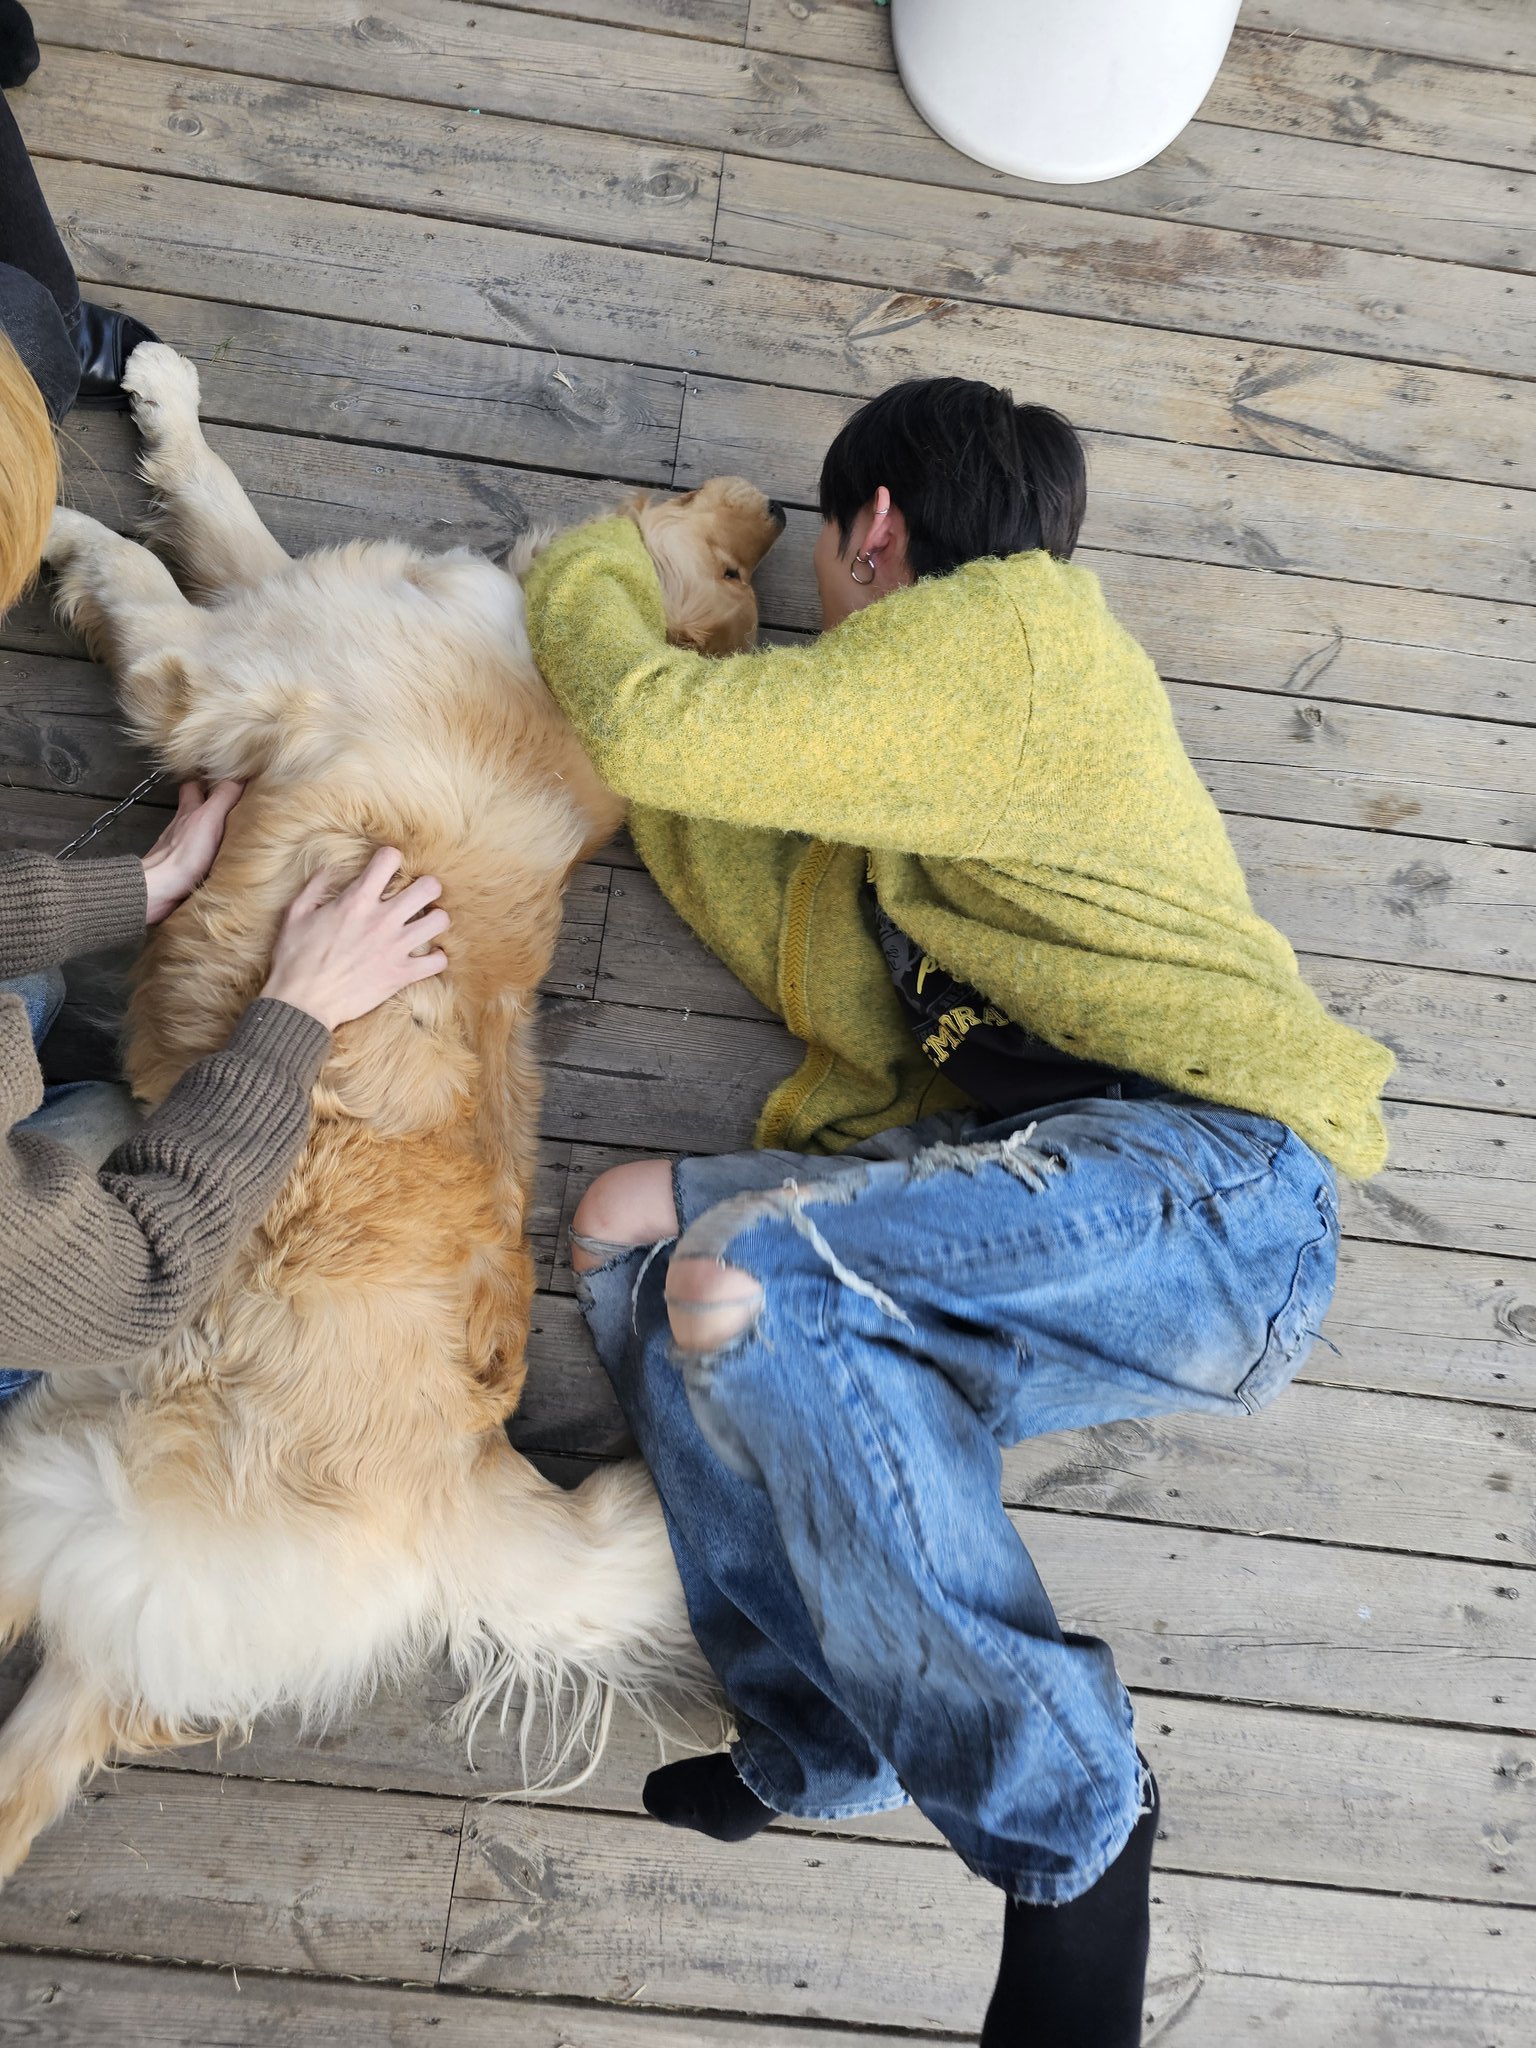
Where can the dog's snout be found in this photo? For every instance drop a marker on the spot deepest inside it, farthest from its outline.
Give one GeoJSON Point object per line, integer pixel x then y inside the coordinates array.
{"type": "Point", "coordinates": [777, 513]}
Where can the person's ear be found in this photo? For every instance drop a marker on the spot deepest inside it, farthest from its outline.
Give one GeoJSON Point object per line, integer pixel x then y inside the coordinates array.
{"type": "Point", "coordinates": [885, 542]}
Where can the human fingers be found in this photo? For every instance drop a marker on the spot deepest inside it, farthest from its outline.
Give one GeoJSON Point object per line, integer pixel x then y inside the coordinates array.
{"type": "Point", "coordinates": [379, 873]}
{"type": "Point", "coordinates": [223, 797]}
{"type": "Point", "coordinates": [313, 894]}
{"type": "Point", "coordinates": [416, 896]}
{"type": "Point", "coordinates": [428, 926]}
{"type": "Point", "coordinates": [421, 965]}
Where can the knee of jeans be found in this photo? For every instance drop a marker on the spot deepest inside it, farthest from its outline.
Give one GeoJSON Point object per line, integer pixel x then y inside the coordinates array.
{"type": "Point", "coordinates": [791, 1242]}
{"type": "Point", "coordinates": [630, 1205]}
{"type": "Point", "coordinates": [710, 1304]}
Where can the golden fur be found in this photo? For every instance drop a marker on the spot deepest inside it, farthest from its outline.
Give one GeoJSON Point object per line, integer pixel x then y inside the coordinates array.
{"type": "Point", "coordinates": [311, 1484]}
{"type": "Point", "coordinates": [29, 475]}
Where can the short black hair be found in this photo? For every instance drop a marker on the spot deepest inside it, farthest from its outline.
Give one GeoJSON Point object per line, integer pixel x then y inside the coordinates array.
{"type": "Point", "coordinates": [972, 473]}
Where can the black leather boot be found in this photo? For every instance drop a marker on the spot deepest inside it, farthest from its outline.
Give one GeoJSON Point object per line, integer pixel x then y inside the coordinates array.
{"type": "Point", "coordinates": [18, 46]}
{"type": "Point", "coordinates": [105, 342]}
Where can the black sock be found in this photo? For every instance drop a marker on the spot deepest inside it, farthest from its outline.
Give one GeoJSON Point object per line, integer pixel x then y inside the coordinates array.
{"type": "Point", "coordinates": [1073, 1976]}
{"type": "Point", "coordinates": [18, 45]}
{"type": "Point", "coordinates": [706, 1793]}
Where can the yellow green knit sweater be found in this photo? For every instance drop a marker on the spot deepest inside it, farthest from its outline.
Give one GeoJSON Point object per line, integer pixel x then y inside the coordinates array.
{"type": "Point", "coordinates": [999, 756]}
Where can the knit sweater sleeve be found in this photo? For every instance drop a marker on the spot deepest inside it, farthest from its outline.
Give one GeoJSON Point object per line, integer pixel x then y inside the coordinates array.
{"type": "Point", "coordinates": [52, 910]}
{"type": "Point", "coordinates": [99, 1267]}
{"type": "Point", "coordinates": [880, 733]}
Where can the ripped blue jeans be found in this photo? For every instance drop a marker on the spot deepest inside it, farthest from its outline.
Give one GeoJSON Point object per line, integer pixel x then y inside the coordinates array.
{"type": "Point", "coordinates": [832, 1477]}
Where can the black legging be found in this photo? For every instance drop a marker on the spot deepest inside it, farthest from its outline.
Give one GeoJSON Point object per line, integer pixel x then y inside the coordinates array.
{"type": "Point", "coordinates": [39, 296]}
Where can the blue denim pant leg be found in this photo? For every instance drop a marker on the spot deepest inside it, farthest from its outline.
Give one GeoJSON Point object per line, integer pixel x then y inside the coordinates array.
{"type": "Point", "coordinates": [794, 1747]}
{"type": "Point", "coordinates": [1130, 1258]}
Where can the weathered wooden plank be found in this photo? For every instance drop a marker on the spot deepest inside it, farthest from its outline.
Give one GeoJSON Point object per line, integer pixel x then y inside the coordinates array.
{"type": "Point", "coordinates": [626, 1076]}
{"type": "Point", "coordinates": [1241, 1617]}
{"type": "Point", "coordinates": [573, 971]}
{"type": "Point", "coordinates": [300, 373]}
{"type": "Point", "coordinates": [234, 1872]}
{"type": "Point", "coordinates": [568, 1407]}
{"type": "Point", "coordinates": [706, 95]}
{"type": "Point", "coordinates": [1459, 1038]}
{"type": "Point", "coordinates": [497, 284]}
{"type": "Point", "coordinates": [59, 728]}
{"type": "Point", "coordinates": [1379, 896]}
{"type": "Point", "coordinates": [80, 2004]}
{"type": "Point", "coordinates": [178, 120]}
{"type": "Point", "coordinates": [1159, 498]}
{"type": "Point", "coordinates": [490, 400]}
{"type": "Point", "coordinates": [1430, 1322]}
{"type": "Point", "coordinates": [1455, 1178]}
{"type": "Point", "coordinates": [1309, 638]}
{"type": "Point", "coordinates": [862, 1932]}
{"type": "Point", "coordinates": [1496, 33]}
{"type": "Point", "coordinates": [711, 21]}
{"type": "Point", "coordinates": [1377, 97]}
{"type": "Point", "coordinates": [649, 956]}
{"type": "Point", "coordinates": [1004, 250]}
{"type": "Point", "coordinates": [1325, 1464]}
{"type": "Point", "coordinates": [1493, 32]}
{"type": "Point", "coordinates": [1248, 1791]}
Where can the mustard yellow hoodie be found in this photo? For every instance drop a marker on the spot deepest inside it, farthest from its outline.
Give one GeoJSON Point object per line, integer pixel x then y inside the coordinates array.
{"type": "Point", "coordinates": [999, 756]}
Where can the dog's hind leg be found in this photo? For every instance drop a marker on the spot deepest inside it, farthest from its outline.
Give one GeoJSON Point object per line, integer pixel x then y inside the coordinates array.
{"type": "Point", "coordinates": [209, 526]}
{"type": "Point", "coordinates": [571, 1595]}
{"type": "Point", "coordinates": [59, 1733]}
{"type": "Point", "coordinates": [131, 615]}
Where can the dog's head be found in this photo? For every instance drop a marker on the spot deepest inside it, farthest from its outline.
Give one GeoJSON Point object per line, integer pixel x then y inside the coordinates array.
{"type": "Point", "coordinates": [706, 546]}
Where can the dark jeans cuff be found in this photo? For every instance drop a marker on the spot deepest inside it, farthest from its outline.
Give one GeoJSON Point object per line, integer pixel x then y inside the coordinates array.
{"type": "Point", "coordinates": [41, 336]}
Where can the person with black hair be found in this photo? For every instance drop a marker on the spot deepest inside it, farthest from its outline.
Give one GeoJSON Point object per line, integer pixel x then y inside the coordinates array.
{"type": "Point", "coordinates": [1061, 1151]}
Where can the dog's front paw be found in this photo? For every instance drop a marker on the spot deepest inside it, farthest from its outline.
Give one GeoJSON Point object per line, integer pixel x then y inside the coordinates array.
{"type": "Point", "coordinates": [162, 388]}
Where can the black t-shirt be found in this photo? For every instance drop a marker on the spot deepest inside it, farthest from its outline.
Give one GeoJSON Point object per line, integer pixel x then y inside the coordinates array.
{"type": "Point", "coordinates": [1001, 1066]}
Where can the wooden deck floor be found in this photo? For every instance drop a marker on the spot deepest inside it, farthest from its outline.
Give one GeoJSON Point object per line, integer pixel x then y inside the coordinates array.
{"type": "Point", "coordinates": [451, 265]}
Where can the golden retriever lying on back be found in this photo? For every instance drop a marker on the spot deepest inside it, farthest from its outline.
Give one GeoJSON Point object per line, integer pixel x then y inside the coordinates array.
{"type": "Point", "coordinates": [311, 1485]}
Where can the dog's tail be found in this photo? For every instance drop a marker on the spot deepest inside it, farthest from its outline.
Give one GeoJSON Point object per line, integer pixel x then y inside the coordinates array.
{"type": "Point", "coordinates": [60, 1733]}
{"type": "Point", "coordinates": [565, 1602]}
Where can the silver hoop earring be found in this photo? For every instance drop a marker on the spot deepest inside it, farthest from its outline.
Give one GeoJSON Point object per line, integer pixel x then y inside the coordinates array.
{"type": "Point", "coordinates": [869, 563]}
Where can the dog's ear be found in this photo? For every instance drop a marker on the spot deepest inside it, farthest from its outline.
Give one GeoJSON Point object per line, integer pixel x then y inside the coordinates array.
{"type": "Point", "coordinates": [526, 549]}
{"type": "Point", "coordinates": [702, 635]}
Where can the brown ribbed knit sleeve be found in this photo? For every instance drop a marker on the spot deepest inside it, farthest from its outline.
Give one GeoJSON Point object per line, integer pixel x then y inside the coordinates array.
{"type": "Point", "coordinates": [95, 1268]}
{"type": "Point", "coordinates": [52, 910]}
